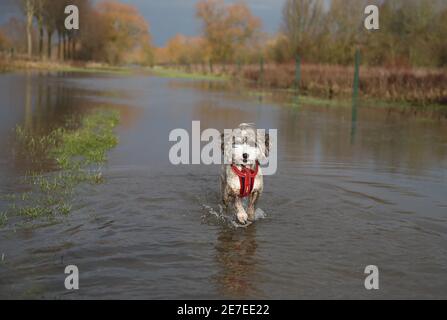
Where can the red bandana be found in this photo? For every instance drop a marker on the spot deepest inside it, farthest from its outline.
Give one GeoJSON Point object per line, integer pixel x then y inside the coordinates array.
{"type": "Point", "coordinates": [246, 179]}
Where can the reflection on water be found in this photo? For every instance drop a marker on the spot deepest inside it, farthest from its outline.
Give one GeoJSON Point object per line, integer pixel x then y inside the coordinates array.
{"type": "Point", "coordinates": [345, 196]}
{"type": "Point", "coordinates": [48, 103]}
{"type": "Point", "coordinates": [236, 257]}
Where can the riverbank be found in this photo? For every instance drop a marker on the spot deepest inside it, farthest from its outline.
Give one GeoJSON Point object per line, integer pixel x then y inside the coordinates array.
{"type": "Point", "coordinates": [7, 65]}
{"type": "Point", "coordinates": [424, 88]}
{"type": "Point", "coordinates": [180, 74]}
{"type": "Point", "coordinates": [420, 89]}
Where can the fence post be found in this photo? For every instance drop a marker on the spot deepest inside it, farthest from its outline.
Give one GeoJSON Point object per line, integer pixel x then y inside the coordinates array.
{"type": "Point", "coordinates": [355, 94]}
{"type": "Point", "coordinates": [297, 73]}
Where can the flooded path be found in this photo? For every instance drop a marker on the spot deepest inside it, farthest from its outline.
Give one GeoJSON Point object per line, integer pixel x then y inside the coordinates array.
{"type": "Point", "coordinates": [341, 200]}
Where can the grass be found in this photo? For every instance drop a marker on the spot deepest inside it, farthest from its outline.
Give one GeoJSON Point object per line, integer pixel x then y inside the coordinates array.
{"type": "Point", "coordinates": [416, 87]}
{"type": "Point", "coordinates": [315, 101]}
{"type": "Point", "coordinates": [3, 218]}
{"type": "Point", "coordinates": [77, 151]}
{"type": "Point", "coordinates": [394, 87]}
{"type": "Point", "coordinates": [105, 70]}
{"type": "Point", "coordinates": [179, 74]}
{"type": "Point", "coordinates": [10, 65]}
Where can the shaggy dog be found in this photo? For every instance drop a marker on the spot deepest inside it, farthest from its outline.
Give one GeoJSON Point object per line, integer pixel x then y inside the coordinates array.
{"type": "Point", "coordinates": [241, 175]}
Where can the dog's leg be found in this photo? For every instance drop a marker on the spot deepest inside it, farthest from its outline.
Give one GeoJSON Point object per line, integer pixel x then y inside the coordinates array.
{"type": "Point", "coordinates": [225, 196]}
{"type": "Point", "coordinates": [252, 206]}
{"type": "Point", "coordinates": [223, 192]}
{"type": "Point", "coordinates": [240, 211]}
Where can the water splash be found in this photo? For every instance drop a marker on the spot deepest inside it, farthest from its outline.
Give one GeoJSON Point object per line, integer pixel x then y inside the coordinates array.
{"type": "Point", "coordinates": [221, 216]}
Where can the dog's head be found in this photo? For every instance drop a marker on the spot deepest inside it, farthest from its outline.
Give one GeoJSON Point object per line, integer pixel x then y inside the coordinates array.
{"type": "Point", "coordinates": [244, 146]}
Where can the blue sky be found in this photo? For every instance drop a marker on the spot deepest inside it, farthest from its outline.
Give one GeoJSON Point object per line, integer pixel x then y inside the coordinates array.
{"type": "Point", "coordinates": [169, 17]}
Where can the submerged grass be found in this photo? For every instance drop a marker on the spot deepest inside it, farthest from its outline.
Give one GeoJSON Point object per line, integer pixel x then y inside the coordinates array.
{"type": "Point", "coordinates": [105, 70]}
{"type": "Point", "coordinates": [290, 98]}
{"type": "Point", "coordinates": [77, 151]}
{"type": "Point", "coordinates": [3, 218]}
{"type": "Point", "coordinates": [179, 74]}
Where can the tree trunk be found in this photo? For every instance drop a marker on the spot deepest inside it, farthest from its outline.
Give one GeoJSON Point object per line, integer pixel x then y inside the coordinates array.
{"type": "Point", "coordinates": [59, 46]}
{"type": "Point", "coordinates": [73, 48]}
{"type": "Point", "coordinates": [69, 53]}
{"type": "Point", "coordinates": [49, 40]}
{"type": "Point", "coordinates": [29, 27]}
{"type": "Point", "coordinates": [41, 34]}
{"type": "Point", "coordinates": [64, 46]}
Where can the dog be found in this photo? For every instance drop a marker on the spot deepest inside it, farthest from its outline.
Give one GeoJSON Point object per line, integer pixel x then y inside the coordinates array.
{"type": "Point", "coordinates": [241, 175]}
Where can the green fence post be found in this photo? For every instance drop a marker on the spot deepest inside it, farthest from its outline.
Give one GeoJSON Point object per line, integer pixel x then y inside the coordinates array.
{"type": "Point", "coordinates": [355, 94]}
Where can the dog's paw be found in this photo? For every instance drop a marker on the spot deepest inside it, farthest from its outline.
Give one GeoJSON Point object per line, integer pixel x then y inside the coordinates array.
{"type": "Point", "coordinates": [242, 217]}
{"type": "Point", "coordinates": [251, 215]}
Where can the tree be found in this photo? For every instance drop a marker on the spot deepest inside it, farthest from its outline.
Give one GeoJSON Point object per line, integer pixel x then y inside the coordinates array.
{"type": "Point", "coordinates": [226, 27]}
{"type": "Point", "coordinates": [114, 33]}
{"type": "Point", "coordinates": [4, 42]}
{"type": "Point", "coordinates": [29, 8]}
{"type": "Point", "coordinates": [15, 31]}
{"type": "Point", "coordinates": [39, 12]}
{"type": "Point", "coordinates": [184, 50]}
{"type": "Point", "coordinates": [74, 36]}
{"type": "Point", "coordinates": [410, 33]}
{"type": "Point", "coordinates": [278, 49]}
{"type": "Point", "coordinates": [126, 27]}
{"type": "Point", "coordinates": [441, 35]}
{"type": "Point", "coordinates": [50, 12]}
{"type": "Point", "coordinates": [303, 24]}
{"type": "Point", "coordinates": [345, 24]}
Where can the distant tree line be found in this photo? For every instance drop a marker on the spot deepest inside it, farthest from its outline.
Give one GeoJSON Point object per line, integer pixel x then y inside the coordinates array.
{"type": "Point", "coordinates": [110, 32]}
{"type": "Point", "coordinates": [230, 33]}
{"type": "Point", "coordinates": [412, 33]}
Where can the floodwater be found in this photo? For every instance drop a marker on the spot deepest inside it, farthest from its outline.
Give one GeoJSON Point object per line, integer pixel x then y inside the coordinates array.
{"type": "Point", "coordinates": [346, 195]}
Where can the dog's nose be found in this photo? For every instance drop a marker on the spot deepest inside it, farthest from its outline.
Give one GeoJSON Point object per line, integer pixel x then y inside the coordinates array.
{"type": "Point", "coordinates": [245, 155]}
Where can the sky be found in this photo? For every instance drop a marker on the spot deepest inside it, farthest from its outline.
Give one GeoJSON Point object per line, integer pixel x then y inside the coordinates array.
{"type": "Point", "coordinates": [169, 17]}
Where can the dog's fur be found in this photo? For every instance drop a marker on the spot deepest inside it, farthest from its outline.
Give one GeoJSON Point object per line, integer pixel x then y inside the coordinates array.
{"type": "Point", "coordinates": [242, 141]}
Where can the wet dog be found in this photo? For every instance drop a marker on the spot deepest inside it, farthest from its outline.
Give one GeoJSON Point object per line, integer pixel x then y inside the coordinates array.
{"type": "Point", "coordinates": [241, 175]}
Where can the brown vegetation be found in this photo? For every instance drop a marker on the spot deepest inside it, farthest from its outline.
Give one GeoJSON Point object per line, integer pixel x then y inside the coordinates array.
{"type": "Point", "coordinates": [420, 86]}
{"type": "Point", "coordinates": [110, 32]}
{"type": "Point", "coordinates": [404, 61]}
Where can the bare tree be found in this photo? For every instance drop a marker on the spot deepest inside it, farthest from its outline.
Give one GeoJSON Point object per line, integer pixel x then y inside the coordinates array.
{"type": "Point", "coordinates": [226, 27]}
{"type": "Point", "coordinates": [40, 6]}
{"type": "Point", "coordinates": [303, 22]}
{"type": "Point", "coordinates": [29, 7]}
{"type": "Point", "coordinates": [50, 12]}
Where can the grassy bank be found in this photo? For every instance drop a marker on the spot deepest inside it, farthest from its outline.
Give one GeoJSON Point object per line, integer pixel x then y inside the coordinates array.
{"type": "Point", "coordinates": [183, 74]}
{"type": "Point", "coordinates": [76, 153]}
{"type": "Point", "coordinates": [398, 86]}
{"type": "Point", "coordinates": [13, 65]}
